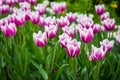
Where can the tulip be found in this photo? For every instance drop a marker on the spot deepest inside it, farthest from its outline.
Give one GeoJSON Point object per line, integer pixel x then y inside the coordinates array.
{"type": "Point", "coordinates": [104, 16]}
{"type": "Point", "coordinates": [63, 21]}
{"type": "Point", "coordinates": [63, 6]}
{"type": "Point", "coordinates": [56, 8]}
{"type": "Point", "coordinates": [64, 39]}
{"type": "Point", "coordinates": [40, 39]}
{"type": "Point", "coordinates": [86, 35]}
{"type": "Point", "coordinates": [102, 28]}
{"type": "Point", "coordinates": [42, 21]}
{"type": "Point", "coordinates": [9, 29]}
{"type": "Point", "coordinates": [51, 31]}
{"type": "Point", "coordinates": [24, 6]}
{"type": "Point", "coordinates": [2, 2]}
{"type": "Point", "coordinates": [85, 21]}
{"type": "Point", "coordinates": [41, 8]}
{"type": "Point", "coordinates": [10, 2]}
{"type": "Point", "coordinates": [78, 28]}
{"type": "Point", "coordinates": [107, 44]}
{"type": "Point", "coordinates": [69, 30]}
{"type": "Point", "coordinates": [35, 17]}
{"type": "Point", "coordinates": [73, 48]}
{"type": "Point", "coordinates": [109, 24]}
{"type": "Point", "coordinates": [96, 28]}
{"type": "Point", "coordinates": [97, 53]}
{"type": "Point", "coordinates": [4, 9]}
{"type": "Point", "coordinates": [71, 17]}
{"type": "Point", "coordinates": [100, 9]}
{"type": "Point", "coordinates": [19, 19]}
{"type": "Point", "coordinates": [50, 21]}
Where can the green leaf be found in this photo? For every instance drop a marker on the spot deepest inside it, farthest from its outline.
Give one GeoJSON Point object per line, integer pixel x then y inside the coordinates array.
{"type": "Point", "coordinates": [41, 70]}
{"type": "Point", "coordinates": [60, 71]}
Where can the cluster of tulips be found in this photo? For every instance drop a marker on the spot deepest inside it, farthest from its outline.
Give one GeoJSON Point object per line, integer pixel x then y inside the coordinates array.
{"type": "Point", "coordinates": [85, 27]}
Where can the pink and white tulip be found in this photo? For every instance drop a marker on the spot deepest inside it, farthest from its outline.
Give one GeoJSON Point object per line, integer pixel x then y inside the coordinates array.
{"type": "Point", "coordinates": [97, 53]}
{"type": "Point", "coordinates": [109, 24]}
{"type": "Point", "coordinates": [41, 8]}
{"type": "Point", "coordinates": [100, 9]}
{"type": "Point", "coordinates": [64, 39]}
{"type": "Point", "coordinates": [10, 2]}
{"type": "Point", "coordinates": [96, 28]}
{"type": "Point", "coordinates": [19, 19]}
{"type": "Point", "coordinates": [73, 48]}
{"type": "Point", "coordinates": [25, 6]}
{"type": "Point", "coordinates": [9, 29]}
{"type": "Point", "coordinates": [107, 44]}
{"type": "Point", "coordinates": [86, 35]}
{"type": "Point", "coordinates": [71, 17]}
{"type": "Point", "coordinates": [51, 31]}
{"type": "Point", "coordinates": [40, 39]}
{"type": "Point", "coordinates": [85, 21]}
{"type": "Point", "coordinates": [4, 9]}
{"type": "Point", "coordinates": [63, 6]}
{"type": "Point", "coordinates": [105, 16]}
{"type": "Point", "coordinates": [35, 17]}
{"type": "Point", "coordinates": [69, 30]}
{"type": "Point", "coordinates": [63, 21]}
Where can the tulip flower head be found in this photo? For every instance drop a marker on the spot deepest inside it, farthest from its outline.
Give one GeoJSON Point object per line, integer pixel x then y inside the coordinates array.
{"type": "Point", "coordinates": [19, 19]}
{"type": "Point", "coordinates": [107, 44]}
{"type": "Point", "coordinates": [41, 8]}
{"type": "Point", "coordinates": [69, 30]}
{"type": "Point", "coordinates": [10, 2]}
{"type": "Point", "coordinates": [96, 28]}
{"type": "Point", "coordinates": [35, 17]}
{"type": "Point", "coordinates": [64, 39]}
{"type": "Point", "coordinates": [4, 9]}
{"type": "Point", "coordinates": [9, 29]}
{"type": "Point", "coordinates": [105, 16]}
{"type": "Point", "coordinates": [86, 35]}
{"type": "Point", "coordinates": [109, 24]}
{"type": "Point", "coordinates": [51, 31]}
{"type": "Point", "coordinates": [63, 21]}
{"type": "Point", "coordinates": [85, 21]}
{"type": "Point", "coordinates": [71, 17]}
{"type": "Point", "coordinates": [40, 39]}
{"type": "Point", "coordinates": [100, 9]}
{"type": "Point", "coordinates": [24, 6]}
{"type": "Point", "coordinates": [97, 53]}
{"type": "Point", "coordinates": [73, 48]}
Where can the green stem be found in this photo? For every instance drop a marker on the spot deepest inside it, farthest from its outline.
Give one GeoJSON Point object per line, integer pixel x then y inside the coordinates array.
{"type": "Point", "coordinates": [97, 70]}
{"type": "Point", "coordinates": [74, 68]}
